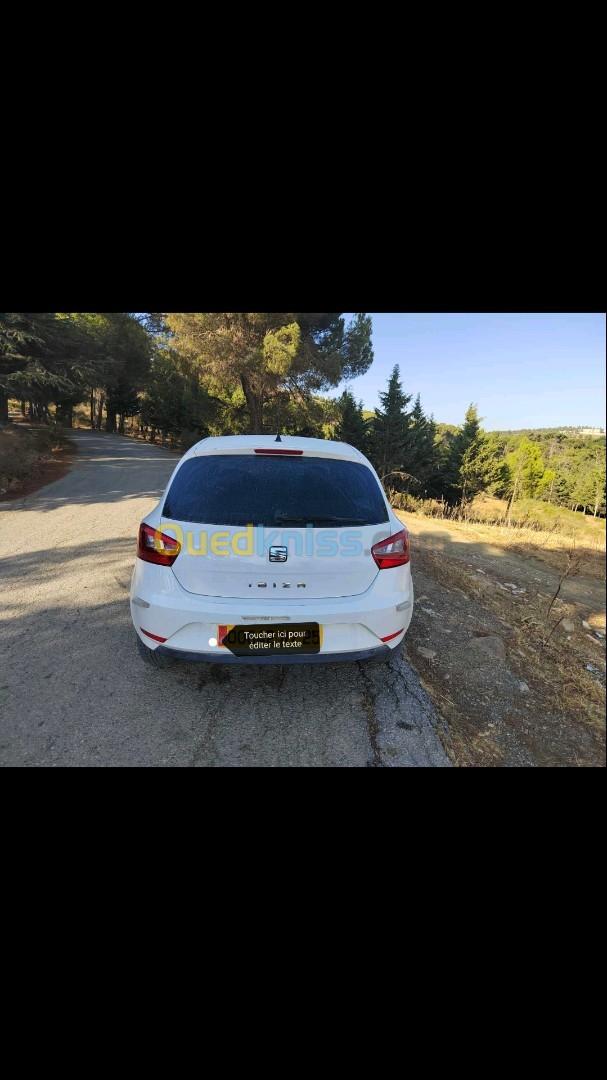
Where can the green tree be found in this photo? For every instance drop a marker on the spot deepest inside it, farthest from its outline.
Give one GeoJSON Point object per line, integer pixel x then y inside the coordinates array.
{"type": "Point", "coordinates": [420, 452]}
{"type": "Point", "coordinates": [174, 402]}
{"type": "Point", "coordinates": [16, 342]}
{"type": "Point", "coordinates": [569, 460]}
{"type": "Point", "coordinates": [42, 360]}
{"type": "Point", "coordinates": [546, 485]}
{"type": "Point", "coordinates": [589, 488]}
{"type": "Point", "coordinates": [265, 354]}
{"type": "Point", "coordinates": [598, 479]}
{"type": "Point", "coordinates": [351, 427]}
{"type": "Point", "coordinates": [460, 469]}
{"type": "Point", "coordinates": [127, 350]}
{"type": "Point", "coordinates": [61, 357]}
{"type": "Point", "coordinates": [483, 467]}
{"type": "Point", "coordinates": [444, 439]}
{"type": "Point", "coordinates": [389, 436]}
{"type": "Point", "coordinates": [525, 470]}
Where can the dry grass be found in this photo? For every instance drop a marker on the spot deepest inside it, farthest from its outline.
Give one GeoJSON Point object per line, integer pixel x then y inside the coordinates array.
{"type": "Point", "coordinates": [537, 528]}
{"type": "Point", "coordinates": [550, 545]}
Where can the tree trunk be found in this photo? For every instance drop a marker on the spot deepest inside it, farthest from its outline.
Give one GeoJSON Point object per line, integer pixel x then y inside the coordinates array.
{"type": "Point", "coordinates": [3, 408]}
{"type": "Point", "coordinates": [64, 414]}
{"type": "Point", "coordinates": [511, 503]}
{"type": "Point", "coordinates": [92, 410]}
{"type": "Point", "coordinates": [23, 410]}
{"type": "Point", "coordinates": [254, 405]}
{"type": "Point", "coordinates": [110, 421]}
{"type": "Point", "coordinates": [100, 404]}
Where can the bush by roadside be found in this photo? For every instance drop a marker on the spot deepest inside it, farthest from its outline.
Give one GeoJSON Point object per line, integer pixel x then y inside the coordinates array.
{"type": "Point", "coordinates": [26, 452]}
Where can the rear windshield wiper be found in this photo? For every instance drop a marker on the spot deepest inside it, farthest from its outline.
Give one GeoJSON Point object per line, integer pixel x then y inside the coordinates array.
{"type": "Point", "coordinates": [326, 519]}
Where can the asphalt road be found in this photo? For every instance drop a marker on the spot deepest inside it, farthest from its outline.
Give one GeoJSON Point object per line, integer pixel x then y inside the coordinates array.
{"type": "Point", "coordinates": [74, 692]}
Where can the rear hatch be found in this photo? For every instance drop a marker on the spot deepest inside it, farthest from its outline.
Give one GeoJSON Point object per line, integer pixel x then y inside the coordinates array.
{"type": "Point", "coordinates": [275, 526]}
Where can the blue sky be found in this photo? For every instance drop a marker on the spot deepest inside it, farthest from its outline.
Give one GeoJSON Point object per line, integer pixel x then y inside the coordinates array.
{"type": "Point", "coordinates": [523, 370]}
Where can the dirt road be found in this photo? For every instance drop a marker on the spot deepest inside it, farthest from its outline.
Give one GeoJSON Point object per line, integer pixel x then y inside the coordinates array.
{"type": "Point", "coordinates": [73, 691]}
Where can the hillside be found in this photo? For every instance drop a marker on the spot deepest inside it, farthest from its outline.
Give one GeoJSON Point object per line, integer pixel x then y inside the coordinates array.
{"type": "Point", "coordinates": [588, 432]}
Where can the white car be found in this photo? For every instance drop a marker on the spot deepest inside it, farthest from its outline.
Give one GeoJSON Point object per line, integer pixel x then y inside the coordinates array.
{"type": "Point", "coordinates": [271, 550]}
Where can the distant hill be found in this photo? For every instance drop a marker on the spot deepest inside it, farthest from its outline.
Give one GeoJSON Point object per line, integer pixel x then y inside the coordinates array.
{"type": "Point", "coordinates": [572, 432]}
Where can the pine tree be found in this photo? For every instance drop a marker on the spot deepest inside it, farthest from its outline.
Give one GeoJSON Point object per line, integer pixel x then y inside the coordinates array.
{"type": "Point", "coordinates": [351, 427]}
{"type": "Point", "coordinates": [40, 360]}
{"type": "Point", "coordinates": [389, 437]}
{"type": "Point", "coordinates": [460, 467]}
{"type": "Point", "coordinates": [264, 353]}
{"type": "Point", "coordinates": [16, 342]}
{"type": "Point", "coordinates": [129, 350]}
{"type": "Point", "coordinates": [483, 467]}
{"type": "Point", "coordinates": [420, 452]}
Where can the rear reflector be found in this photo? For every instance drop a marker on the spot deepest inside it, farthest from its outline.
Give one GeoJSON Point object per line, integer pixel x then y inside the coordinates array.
{"type": "Point", "coordinates": [281, 453]}
{"type": "Point", "coordinates": [394, 551]}
{"type": "Point", "coordinates": [154, 637]}
{"type": "Point", "coordinates": [391, 637]}
{"type": "Point", "coordinates": [156, 547]}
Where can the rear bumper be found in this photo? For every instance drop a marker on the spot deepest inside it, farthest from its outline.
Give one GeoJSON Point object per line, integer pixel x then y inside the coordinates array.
{"type": "Point", "coordinates": [187, 625]}
{"type": "Point", "coordinates": [381, 653]}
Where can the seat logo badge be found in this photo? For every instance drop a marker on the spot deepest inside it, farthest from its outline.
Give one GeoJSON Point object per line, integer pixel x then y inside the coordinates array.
{"type": "Point", "coordinates": [278, 554]}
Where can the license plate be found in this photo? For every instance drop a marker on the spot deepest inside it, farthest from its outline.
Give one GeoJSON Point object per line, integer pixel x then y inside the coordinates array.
{"type": "Point", "coordinates": [282, 640]}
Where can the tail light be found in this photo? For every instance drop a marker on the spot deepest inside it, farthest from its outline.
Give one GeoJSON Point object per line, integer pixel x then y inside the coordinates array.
{"type": "Point", "coordinates": [394, 551]}
{"type": "Point", "coordinates": [156, 547]}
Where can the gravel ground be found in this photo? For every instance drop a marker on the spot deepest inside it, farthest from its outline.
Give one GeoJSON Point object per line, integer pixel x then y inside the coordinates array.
{"type": "Point", "coordinates": [73, 691]}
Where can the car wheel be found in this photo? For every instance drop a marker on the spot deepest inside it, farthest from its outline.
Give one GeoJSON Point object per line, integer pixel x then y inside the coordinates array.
{"type": "Point", "coordinates": [151, 656]}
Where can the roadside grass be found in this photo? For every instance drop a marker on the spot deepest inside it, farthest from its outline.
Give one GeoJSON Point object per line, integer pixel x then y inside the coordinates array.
{"type": "Point", "coordinates": [552, 546]}
{"type": "Point", "coordinates": [26, 452]}
{"type": "Point", "coordinates": [551, 539]}
{"type": "Point", "coordinates": [537, 528]}
{"type": "Point", "coordinates": [543, 516]}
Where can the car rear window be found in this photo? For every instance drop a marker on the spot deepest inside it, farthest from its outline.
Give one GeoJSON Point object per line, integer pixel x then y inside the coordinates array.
{"type": "Point", "coordinates": [245, 490]}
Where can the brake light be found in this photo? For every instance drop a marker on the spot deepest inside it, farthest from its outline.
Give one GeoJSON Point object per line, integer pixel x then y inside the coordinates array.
{"type": "Point", "coordinates": [156, 547]}
{"type": "Point", "coordinates": [395, 551]}
{"type": "Point", "coordinates": [281, 453]}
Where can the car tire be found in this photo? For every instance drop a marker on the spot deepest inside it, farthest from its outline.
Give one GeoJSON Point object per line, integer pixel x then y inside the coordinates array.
{"type": "Point", "coordinates": [151, 656]}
